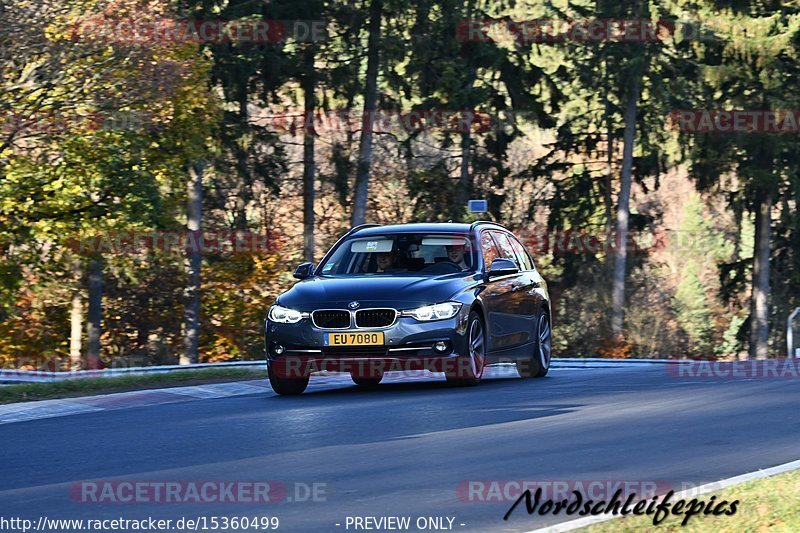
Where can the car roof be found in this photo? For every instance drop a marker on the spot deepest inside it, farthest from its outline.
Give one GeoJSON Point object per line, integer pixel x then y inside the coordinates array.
{"type": "Point", "coordinates": [421, 227]}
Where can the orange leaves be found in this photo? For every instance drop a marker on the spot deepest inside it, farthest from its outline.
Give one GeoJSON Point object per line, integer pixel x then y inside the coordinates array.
{"type": "Point", "coordinates": [615, 348]}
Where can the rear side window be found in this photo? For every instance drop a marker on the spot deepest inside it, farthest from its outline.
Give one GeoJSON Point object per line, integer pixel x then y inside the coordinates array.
{"type": "Point", "coordinates": [489, 248]}
{"type": "Point", "coordinates": [506, 250]}
{"type": "Point", "coordinates": [524, 257]}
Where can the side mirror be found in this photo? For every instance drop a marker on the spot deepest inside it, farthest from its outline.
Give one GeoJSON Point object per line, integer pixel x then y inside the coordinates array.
{"type": "Point", "coordinates": [304, 270]}
{"type": "Point", "coordinates": [502, 267]}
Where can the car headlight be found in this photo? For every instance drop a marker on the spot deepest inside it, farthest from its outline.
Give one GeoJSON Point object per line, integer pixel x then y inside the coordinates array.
{"type": "Point", "coordinates": [284, 315]}
{"type": "Point", "coordinates": [434, 312]}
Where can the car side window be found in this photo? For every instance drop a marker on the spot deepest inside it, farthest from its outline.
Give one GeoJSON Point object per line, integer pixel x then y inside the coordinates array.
{"type": "Point", "coordinates": [522, 253]}
{"type": "Point", "coordinates": [506, 250]}
{"type": "Point", "coordinates": [489, 248]}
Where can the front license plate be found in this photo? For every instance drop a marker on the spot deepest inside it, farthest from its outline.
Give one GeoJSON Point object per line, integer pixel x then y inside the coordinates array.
{"type": "Point", "coordinates": [354, 339]}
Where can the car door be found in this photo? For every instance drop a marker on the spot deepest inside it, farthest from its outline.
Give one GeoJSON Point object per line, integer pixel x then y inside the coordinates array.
{"type": "Point", "coordinates": [508, 328]}
{"type": "Point", "coordinates": [522, 284]}
{"type": "Point", "coordinates": [533, 288]}
{"type": "Point", "coordinates": [492, 294]}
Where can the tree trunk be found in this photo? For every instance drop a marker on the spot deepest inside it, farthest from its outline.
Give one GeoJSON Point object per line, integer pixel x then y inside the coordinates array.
{"type": "Point", "coordinates": [309, 102]}
{"type": "Point", "coordinates": [464, 182]}
{"type": "Point", "coordinates": [623, 209]}
{"type": "Point", "coordinates": [759, 316]}
{"type": "Point", "coordinates": [464, 185]}
{"type": "Point", "coordinates": [94, 317]}
{"type": "Point", "coordinates": [609, 156]}
{"type": "Point", "coordinates": [191, 306]}
{"type": "Point", "coordinates": [370, 100]}
{"type": "Point", "coordinates": [76, 331]}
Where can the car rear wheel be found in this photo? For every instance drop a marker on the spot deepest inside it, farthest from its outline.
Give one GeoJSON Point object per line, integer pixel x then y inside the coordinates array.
{"type": "Point", "coordinates": [470, 367]}
{"type": "Point", "coordinates": [539, 363]}
{"type": "Point", "coordinates": [286, 386]}
{"type": "Point", "coordinates": [366, 381]}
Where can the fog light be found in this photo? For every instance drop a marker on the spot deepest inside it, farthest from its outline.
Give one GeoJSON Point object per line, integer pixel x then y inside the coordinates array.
{"type": "Point", "coordinates": [278, 349]}
{"type": "Point", "coordinates": [440, 346]}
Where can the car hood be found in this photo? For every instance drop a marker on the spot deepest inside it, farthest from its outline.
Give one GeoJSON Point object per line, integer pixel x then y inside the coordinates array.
{"type": "Point", "coordinates": [402, 292]}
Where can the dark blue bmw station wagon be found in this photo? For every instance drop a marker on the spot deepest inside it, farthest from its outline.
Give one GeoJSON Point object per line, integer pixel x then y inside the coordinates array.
{"type": "Point", "coordinates": [443, 297]}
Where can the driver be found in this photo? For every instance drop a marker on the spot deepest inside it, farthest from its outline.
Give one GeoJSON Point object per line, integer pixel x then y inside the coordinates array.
{"type": "Point", "coordinates": [456, 254]}
{"type": "Point", "coordinates": [386, 261]}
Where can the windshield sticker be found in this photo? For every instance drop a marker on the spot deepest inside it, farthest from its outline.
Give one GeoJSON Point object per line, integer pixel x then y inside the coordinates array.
{"type": "Point", "coordinates": [376, 246]}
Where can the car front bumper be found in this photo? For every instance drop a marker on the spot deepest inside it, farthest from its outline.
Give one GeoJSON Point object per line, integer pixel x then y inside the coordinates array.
{"type": "Point", "coordinates": [297, 350]}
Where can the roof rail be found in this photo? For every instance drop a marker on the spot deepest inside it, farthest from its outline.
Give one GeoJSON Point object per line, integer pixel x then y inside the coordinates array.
{"type": "Point", "coordinates": [360, 227]}
{"type": "Point", "coordinates": [478, 222]}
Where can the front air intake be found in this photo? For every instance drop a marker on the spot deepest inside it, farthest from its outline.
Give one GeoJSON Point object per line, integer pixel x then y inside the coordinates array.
{"type": "Point", "coordinates": [375, 318]}
{"type": "Point", "coordinates": [331, 319]}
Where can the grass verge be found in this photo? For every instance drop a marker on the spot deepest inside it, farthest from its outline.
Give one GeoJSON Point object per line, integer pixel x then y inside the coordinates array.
{"type": "Point", "coordinates": [767, 504]}
{"type": "Point", "coordinates": [25, 392]}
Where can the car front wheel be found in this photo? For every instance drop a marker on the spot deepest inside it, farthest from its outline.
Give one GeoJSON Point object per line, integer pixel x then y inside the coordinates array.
{"type": "Point", "coordinates": [286, 386]}
{"type": "Point", "coordinates": [469, 368]}
{"type": "Point", "coordinates": [539, 363]}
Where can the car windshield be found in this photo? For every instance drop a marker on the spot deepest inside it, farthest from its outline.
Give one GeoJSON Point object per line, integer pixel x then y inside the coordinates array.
{"type": "Point", "coordinates": [402, 253]}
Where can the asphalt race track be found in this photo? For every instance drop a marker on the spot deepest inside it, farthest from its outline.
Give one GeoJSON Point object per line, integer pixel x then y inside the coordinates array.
{"type": "Point", "coordinates": [408, 448]}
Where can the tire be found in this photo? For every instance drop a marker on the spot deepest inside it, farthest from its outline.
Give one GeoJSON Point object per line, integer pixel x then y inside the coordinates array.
{"type": "Point", "coordinates": [470, 367]}
{"type": "Point", "coordinates": [286, 386]}
{"type": "Point", "coordinates": [367, 382]}
{"type": "Point", "coordinates": [539, 362]}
